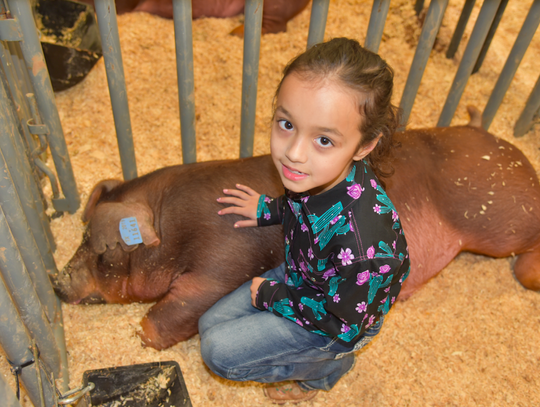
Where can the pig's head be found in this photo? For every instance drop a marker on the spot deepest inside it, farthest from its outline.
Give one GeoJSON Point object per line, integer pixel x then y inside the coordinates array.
{"type": "Point", "coordinates": [99, 270]}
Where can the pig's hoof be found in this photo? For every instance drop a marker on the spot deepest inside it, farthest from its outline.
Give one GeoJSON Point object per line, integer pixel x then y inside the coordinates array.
{"type": "Point", "coordinates": [238, 31]}
{"type": "Point", "coordinates": [150, 337]}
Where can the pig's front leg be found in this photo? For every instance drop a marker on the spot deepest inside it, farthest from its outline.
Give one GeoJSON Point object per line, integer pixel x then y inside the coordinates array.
{"type": "Point", "coordinates": [175, 317]}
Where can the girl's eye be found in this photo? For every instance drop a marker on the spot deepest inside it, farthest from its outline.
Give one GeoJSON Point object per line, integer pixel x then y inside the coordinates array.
{"type": "Point", "coordinates": [285, 124]}
{"type": "Point", "coordinates": [324, 141]}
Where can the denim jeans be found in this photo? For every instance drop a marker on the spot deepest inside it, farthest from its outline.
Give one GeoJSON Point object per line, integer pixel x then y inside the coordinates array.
{"type": "Point", "coordinates": [240, 342]}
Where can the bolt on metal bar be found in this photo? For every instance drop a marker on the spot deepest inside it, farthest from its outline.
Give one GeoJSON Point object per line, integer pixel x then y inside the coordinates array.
{"type": "Point", "coordinates": [250, 74]}
{"type": "Point", "coordinates": [531, 109]}
{"type": "Point", "coordinates": [39, 76]}
{"type": "Point", "coordinates": [186, 87]}
{"type": "Point", "coordinates": [491, 34]}
{"type": "Point", "coordinates": [470, 56]}
{"type": "Point", "coordinates": [460, 28]}
{"type": "Point", "coordinates": [377, 19]}
{"type": "Point", "coordinates": [317, 22]}
{"type": "Point", "coordinates": [11, 145]}
{"type": "Point", "coordinates": [523, 40]}
{"type": "Point", "coordinates": [430, 29]}
{"type": "Point", "coordinates": [16, 343]}
{"type": "Point", "coordinates": [108, 29]}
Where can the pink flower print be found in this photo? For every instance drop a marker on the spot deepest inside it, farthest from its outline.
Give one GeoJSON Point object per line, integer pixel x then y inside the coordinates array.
{"type": "Point", "coordinates": [290, 303]}
{"type": "Point", "coordinates": [299, 322]}
{"type": "Point", "coordinates": [351, 227]}
{"type": "Point", "coordinates": [371, 252]}
{"type": "Point", "coordinates": [304, 199]}
{"type": "Point", "coordinates": [377, 208]}
{"type": "Point", "coordinates": [273, 283]}
{"type": "Point", "coordinates": [346, 256]}
{"type": "Point", "coordinates": [383, 301]}
{"type": "Point", "coordinates": [387, 289]}
{"type": "Point", "coordinates": [310, 253]}
{"type": "Point", "coordinates": [345, 328]}
{"type": "Point", "coordinates": [336, 298]}
{"type": "Point", "coordinates": [393, 300]}
{"type": "Point", "coordinates": [384, 269]}
{"type": "Point", "coordinates": [265, 305]}
{"type": "Point", "coordinates": [371, 320]}
{"type": "Point", "coordinates": [304, 227]}
{"type": "Point", "coordinates": [361, 307]}
{"type": "Point", "coordinates": [329, 273]}
{"type": "Point", "coordinates": [266, 216]}
{"type": "Point", "coordinates": [333, 221]}
{"type": "Point", "coordinates": [395, 216]}
{"type": "Point", "coordinates": [394, 245]}
{"type": "Point", "coordinates": [316, 240]}
{"type": "Point", "coordinates": [362, 277]}
{"type": "Point", "coordinates": [354, 191]}
{"type": "Point", "coordinates": [301, 306]}
{"type": "Point", "coordinates": [267, 200]}
{"type": "Point", "coordinates": [373, 183]}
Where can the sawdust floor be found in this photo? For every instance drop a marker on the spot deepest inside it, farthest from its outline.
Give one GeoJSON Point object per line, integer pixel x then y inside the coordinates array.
{"type": "Point", "coordinates": [469, 338]}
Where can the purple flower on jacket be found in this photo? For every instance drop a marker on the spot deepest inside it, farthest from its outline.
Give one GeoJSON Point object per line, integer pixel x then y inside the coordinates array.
{"type": "Point", "coordinates": [333, 221]}
{"type": "Point", "coordinates": [299, 322]}
{"type": "Point", "coordinates": [336, 298]}
{"type": "Point", "coordinates": [361, 307]}
{"type": "Point", "coordinates": [345, 328]}
{"type": "Point", "coordinates": [304, 199]}
{"type": "Point", "coordinates": [346, 256]}
{"type": "Point", "coordinates": [373, 183]}
{"type": "Point", "coordinates": [362, 277]}
{"type": "Point", "coordinates": [304, 227]}
{"type": "Point", "coordinates": [384, 269]}
{"type": "Point", "coordinates": [273, 283]}
{"type": "Point", "coordinates": [310, 253]}
{"type": "Point", "coordinates": [394, 245]}
{"type": "Point", "coordinates": [387, 289]}
{"type": "Point", "coordinates": [371, 320]}
{"type": "Point", "coordinates": [329, 273]}
{"type": "Point", "coordinates": [371, 252]}
{"type": "Point", "coordinates": [301, 306]}
{"type": "Point", "coordinates": [383, 301]}
{"type": "Point", "coordinates": [395, 216]}
{"type": "Point", "coordinates": [316, 240]}
{"type": "Point", "coordinates": [267, 199]}
{"type": "Point", "coordinates": [267, 216]}
{"type": "Point", "coordinates": [377, 208]}
{"type": "Point", "coordinates": [265, 305]}
{"type": "Point", "coordinates": [393, 300]}
{"type": "Point", "coordinates": [354, 191]}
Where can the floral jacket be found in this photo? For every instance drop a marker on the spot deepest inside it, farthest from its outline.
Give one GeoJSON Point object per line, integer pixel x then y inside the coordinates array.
{"type": "Point", "coordinates": [346, 257]}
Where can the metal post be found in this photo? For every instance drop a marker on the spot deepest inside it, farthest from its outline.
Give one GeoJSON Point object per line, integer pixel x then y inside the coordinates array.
{"type": "Point", "coordinates": [523, 40]}
{"type": "Point", "coordinates": [470, 56]}
{"type": "Point", "coordinates": [431, 27]}
{"type": "Point", "coordinates": [23, 293]}
{"type": "Point", "coordinates": [250, 74]}
{"type": "Point", "coordinates": [418, 6]}
{"type": "Point", "coordinates": [17, 345]}
{"type": "Point", "coordinates": [376, 24]}
{"type": "Point", "coordinates": [108, 29]}
{"type": "Point", "coordinates": [9, 397]}
{"type": "Point", "coordinates": [39, 76]}
{"type": "Point", "coordinates": [186, 88]}
{"type": "Point", "coordinates": [460, 28]}
{"type": "Point", "coordinates": [19, 167]}
{"type": "Point", "coordinates": [532, 108]}
{"type": "Point", "coordinates": [489, 38]}
{"type": "Point", "coordinates": [317, 22]}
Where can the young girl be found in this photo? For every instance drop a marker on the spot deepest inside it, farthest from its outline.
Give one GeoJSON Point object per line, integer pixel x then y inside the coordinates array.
{"type": "Point", "coordinates": [346, 255]}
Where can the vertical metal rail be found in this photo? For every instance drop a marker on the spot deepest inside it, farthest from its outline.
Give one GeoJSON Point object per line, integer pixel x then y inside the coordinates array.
{"type": "Point", "coordinates": [491, 33]}
{"type": "Point", "coordinates": [108, 29]}
{"type": "Point", "coordinates": [460, 28]}
{"type": "Point", "coordinates": [528, 29]}
{"type": "Point", "coordinates": [9, 397]}
{"type": "Point", "coordinates": [418, 6]}
{"type": "Point", "coordinates": [186, 85]}
{"type": "Point", "coordinates": [250, 74]}
{"type": "Point", "coordinates": [430, 29]}
{"type": "Point", "coordinates": [532, 108]}
{"type": "Point", "coordinates": [16, 343]}
{"type": "Point", "coordinates": [12, 146]}
{"type": "Point", "coordinates": [379, 11]}
{"type": "Point", "coordinates": [470, 56]}
{"type": "Point", "coordinates": [317, 22]}
{"type": "Point", "coordinates": [39, 76]}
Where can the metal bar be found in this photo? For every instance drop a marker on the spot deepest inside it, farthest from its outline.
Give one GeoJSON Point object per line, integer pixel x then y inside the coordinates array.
{"type": "Point", "coordinates": [250, 74]}
{"type": "Point", "coordinates": [9, 397]}
{"type": "Point", "coordinates": [532, 108]}
{"type": "Point", "coordinates": [39, 76]}
{"type": "Point", "coordinates": [19, 167]}
{"type": "Point", "coordinates": [376, 24]}
{"type": "Point", "coordinates": [59, 335]}
{"type": "Point", "coordinates": [460, 28]}
{"type": "Point", "coordinates": [418, 6]}
{"type": "Point", "coordinates": [430, 29]}
{"type": "Point", "coordinates": [108, 29]}
{"type": "Point", "coordinates": [470, 56]}
{"type": "Point", "coordinates": [23, 293]}
{"type": "Point", "coordinates": [528, 29]}
{"type": "Point", "coordinates": [186, 87]}
{"type": "Point", "coordinates": [317, 22]}
{"type": "Point", "coordinates": [489, 38]}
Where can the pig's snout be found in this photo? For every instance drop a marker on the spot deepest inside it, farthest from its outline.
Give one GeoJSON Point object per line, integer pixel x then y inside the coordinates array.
{"type": "Point", "coordinates": [71, 289]}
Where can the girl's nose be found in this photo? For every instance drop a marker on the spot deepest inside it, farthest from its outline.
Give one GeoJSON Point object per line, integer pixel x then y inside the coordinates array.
{"type": "Point", "coordinates": [297, 149]}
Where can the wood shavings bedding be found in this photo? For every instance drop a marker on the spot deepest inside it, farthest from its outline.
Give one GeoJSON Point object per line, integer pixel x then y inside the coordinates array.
{"type": "Point", "coordinates": [467, 338]}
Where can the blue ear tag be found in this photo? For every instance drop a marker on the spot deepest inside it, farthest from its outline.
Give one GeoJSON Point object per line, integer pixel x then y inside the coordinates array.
{"type": "Point", "coordinates": [129, 230]}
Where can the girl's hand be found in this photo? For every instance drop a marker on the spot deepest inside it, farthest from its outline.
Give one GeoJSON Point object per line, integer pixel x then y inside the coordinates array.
{"type": "Point", "coordinates": [255, 284]}
{"type": "Point", "coordinates": [244, 201]}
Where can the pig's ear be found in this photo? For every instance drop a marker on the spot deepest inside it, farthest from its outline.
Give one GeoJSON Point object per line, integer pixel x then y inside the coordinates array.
{"type": "Point", "coordinates": [105, 225]}
{"type": "Point", "coordinates": [101, 188]}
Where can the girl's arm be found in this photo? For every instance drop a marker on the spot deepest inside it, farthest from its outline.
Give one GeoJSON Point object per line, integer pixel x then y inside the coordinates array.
{"type": "Point", "coordinates": [244, 201]}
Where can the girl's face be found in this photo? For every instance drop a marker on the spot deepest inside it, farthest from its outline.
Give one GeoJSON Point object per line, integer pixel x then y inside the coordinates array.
{"type": "Point", "coordinates": [315, 134]}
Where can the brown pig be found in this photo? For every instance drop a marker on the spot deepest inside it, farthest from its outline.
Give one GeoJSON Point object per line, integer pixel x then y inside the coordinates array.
{"type": "Point", "coordinates": [456, 189]}
{"type": "Point", "coordinates": [276, 13]}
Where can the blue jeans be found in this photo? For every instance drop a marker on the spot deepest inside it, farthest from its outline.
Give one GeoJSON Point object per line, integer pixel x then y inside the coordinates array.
{"type": "Point", "coordinates": [240, 342]}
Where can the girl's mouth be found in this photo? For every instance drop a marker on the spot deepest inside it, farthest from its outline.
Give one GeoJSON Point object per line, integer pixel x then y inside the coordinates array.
{"type": "Point", "coordinates": [292, 175]}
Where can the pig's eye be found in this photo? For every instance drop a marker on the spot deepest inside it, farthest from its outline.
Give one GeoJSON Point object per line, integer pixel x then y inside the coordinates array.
{"type": "Point", "coordinates": [285, 125]}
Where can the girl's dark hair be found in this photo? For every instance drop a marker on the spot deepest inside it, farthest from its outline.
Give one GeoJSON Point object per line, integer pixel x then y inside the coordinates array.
{"type": "Point", "coordinates": [359, 69]}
